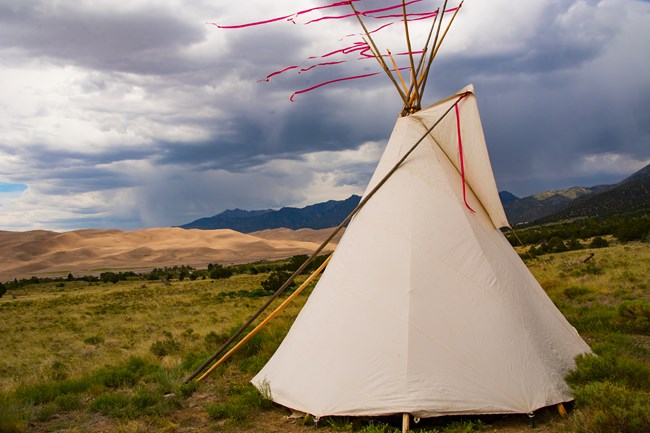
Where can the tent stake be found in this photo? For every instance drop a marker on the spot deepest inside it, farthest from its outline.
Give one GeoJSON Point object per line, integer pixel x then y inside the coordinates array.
{"type": "Point", "coordinates": [405, 422]}
{"type": "Point", "coordinates": [267, 320]}
{"type": "Point", "coordinates": [302, 267]}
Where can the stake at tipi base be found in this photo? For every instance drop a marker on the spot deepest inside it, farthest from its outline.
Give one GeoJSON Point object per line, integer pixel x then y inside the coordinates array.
{"type": "Point", "coordinates": [265, 322]}
{"type": "Point", "coordinates": [406, 419]}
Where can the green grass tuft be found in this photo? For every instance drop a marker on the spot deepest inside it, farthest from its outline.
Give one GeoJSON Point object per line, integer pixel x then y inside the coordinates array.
{"type": "Point", "coordinates": [605, 407]}
{"type": "Point", "coordinates": [243, 402]}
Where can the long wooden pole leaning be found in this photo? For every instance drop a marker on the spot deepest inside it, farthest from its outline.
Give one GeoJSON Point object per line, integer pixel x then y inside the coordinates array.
{"type": "Point", "coordinates": [273, 297]}
{"type": "Point", "coordinates": [437, 45]}
{"type": "Point", "coordinates": [378, 55]}
{"type": "Point", "coordinates": [421, 62]}
{"type": "Point", "coordinates": [399, 75]}
{"type": "Point", "coordinates": [265, 322]}
{"type": "Point", "coordinates": [302, 267]}
{"type": "Point", "coordinates": [410, 51]}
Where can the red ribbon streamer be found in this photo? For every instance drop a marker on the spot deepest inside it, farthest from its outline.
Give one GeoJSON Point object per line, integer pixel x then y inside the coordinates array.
{"type": "Point", "coordinates": [460, 153]}
{"type": "Point", "coordinates": [330, 82]}
{"type": "Point", "coordinates": [337, 81]}
{"type": "Point", "coordinates": [308, 68]}
{"type": "Point", "coordinates": [272, 74]}
{"type": "Point", "coordinates": [286, 17]}
{"type": "Point", "coordinates": [364, 13]}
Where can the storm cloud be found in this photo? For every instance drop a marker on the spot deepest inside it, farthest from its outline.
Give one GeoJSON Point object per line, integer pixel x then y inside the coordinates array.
{"type": "Point", "coordinates": [144, 114]}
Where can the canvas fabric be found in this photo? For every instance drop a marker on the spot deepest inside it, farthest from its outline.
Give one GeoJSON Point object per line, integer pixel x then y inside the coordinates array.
{"type": "Point", "coordinates": [425, 308]}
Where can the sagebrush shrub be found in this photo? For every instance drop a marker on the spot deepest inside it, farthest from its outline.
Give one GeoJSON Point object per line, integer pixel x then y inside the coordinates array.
{"type": "Point", "coordinates": [634, 316]}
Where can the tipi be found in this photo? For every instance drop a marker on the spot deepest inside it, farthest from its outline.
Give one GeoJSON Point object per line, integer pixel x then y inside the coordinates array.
{"type": "Point", "coordinates": [425, 308]}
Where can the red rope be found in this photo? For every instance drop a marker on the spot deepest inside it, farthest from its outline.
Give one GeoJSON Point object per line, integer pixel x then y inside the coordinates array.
{"type": "Point", "coordinates": [460, 153]}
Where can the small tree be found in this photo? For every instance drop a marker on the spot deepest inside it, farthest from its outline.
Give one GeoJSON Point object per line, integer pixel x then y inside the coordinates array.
{"type": "Point", "coordinates": [217, 271]}
{"type": "Point", "coordinates": [555, 245]}
{"type": "Point", "coordinates": [295, 262]}
{"type": "Point", "coordinates": [3, 290]}
{"type": "Point", "coordinates": [276, 280]}
{"type": "Point", "coordinates": [598, 242]}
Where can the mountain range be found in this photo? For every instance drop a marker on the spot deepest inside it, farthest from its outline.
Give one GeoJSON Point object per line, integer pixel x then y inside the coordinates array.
{"type": "Point", "coordinates": [317, 216]}
{"type": "Point", "coordinates": [630, 196]}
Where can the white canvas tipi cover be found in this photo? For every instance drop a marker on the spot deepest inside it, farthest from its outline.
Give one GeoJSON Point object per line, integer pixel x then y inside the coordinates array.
{"type": "Point", "coordinates": [425, 308]}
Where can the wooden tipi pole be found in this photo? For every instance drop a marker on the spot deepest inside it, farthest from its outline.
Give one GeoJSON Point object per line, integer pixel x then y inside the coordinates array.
{"type": "Point", "coordinates": [421, 62]}
{"type": "Point", "coordinates": [437, 44]}
{"type": "Point", "coordinates": [378, 55]}
{"type": "Point", "coordinates": [414, 85]}
{"type": "Point", "coordinates": [265, 322]}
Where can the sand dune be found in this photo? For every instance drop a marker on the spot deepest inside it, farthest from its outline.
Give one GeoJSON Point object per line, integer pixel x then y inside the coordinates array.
{"type": "Point", "coordinates": [82, 252]}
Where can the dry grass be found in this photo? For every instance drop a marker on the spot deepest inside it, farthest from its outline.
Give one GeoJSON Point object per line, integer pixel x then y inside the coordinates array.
{"type": "Point", "coordinates": [65, 334]}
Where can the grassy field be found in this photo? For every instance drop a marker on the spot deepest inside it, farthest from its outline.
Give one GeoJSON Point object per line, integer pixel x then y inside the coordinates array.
{"type": "Point", "coordinates": [95, 357]}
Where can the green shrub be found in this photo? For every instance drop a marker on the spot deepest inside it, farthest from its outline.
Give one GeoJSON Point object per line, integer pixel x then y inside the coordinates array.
{"type": "Point", "coordinates": [113, 404]}
{"type": "Point", "coordinates": [275, 280]}
{"type": "Point", "coordinates": [45, 392]}
{"type": "Point", "coordinates": [187, 389]}
{"type": "Point", "coordinates": [213, 341]}
{"type": "Point", "coordinates": [604, 407]}
{"type": "Point", "coordinates": [252, 364]}
{"type": "Point", "coordinates": [634, 316]}
{"type": "Point", "coordinates": [145, 400]}
{"type": "Point", "coordinates": [94, 340]}
{"type": "Point", "coordinates": [58, 371]}
{"type": "Point", "coordinates": [598, 242]}
{"type": "Point", "coordinates": [165, 347]}
{"type": "Point", "coordinates": [589, 268]}
{"type": "Point", "coordinates": [555, 245]}
{"type": "Point", "coordinates": [593, 318]}
{"type": "Point", "coordinates": [340, 423]}
{"type": "Point", "coordinates": [574, 244]}
{"type": "Point", "coordinates": [127, 375]}
{"type": "Point", "coordinates": [618, 369]}
{"type": "Point", "coordinates": [13, 415]}
{"type": "Point", "coordinates": [636, 229]}
{"type": "Point", "coordinates": [574, 292]}
{"type": "Point", "coordinates": [68, 402]}
{"type": "Point", "coordinates": [378, 428]}
{"type": "Point", "coordinates": [244, 401]}
{"type": "Point", "coordinates": [192, 360]}
{"type": "Point", "coordinates": [218, 271]}
{"type": "Point", "coordinates": [45, 412]}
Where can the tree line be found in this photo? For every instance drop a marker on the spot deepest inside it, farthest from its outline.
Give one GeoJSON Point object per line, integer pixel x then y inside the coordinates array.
{"type": "Point", "coordinates": [279, 270]}
{"type": "Point", "coordinates": [583, 233]}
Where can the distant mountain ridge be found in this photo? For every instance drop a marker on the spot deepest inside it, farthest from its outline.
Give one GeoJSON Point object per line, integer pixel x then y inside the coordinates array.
{"type": "Point", "coordinates": [317, 216]}
{"type": "Point", "coordinates": [631, 195]}
{"type": "Point", "coordinates": [534, 207]}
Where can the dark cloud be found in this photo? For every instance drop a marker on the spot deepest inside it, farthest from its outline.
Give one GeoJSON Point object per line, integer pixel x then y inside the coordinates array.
{"type": "Point", "coordinates": [147, 116]}
{"type": "Point", "coordinates": [140, 41]}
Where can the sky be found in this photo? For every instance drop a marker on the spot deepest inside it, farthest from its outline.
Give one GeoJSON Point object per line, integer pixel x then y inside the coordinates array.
{"type": "Point", "coordinates": [142, 114]}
